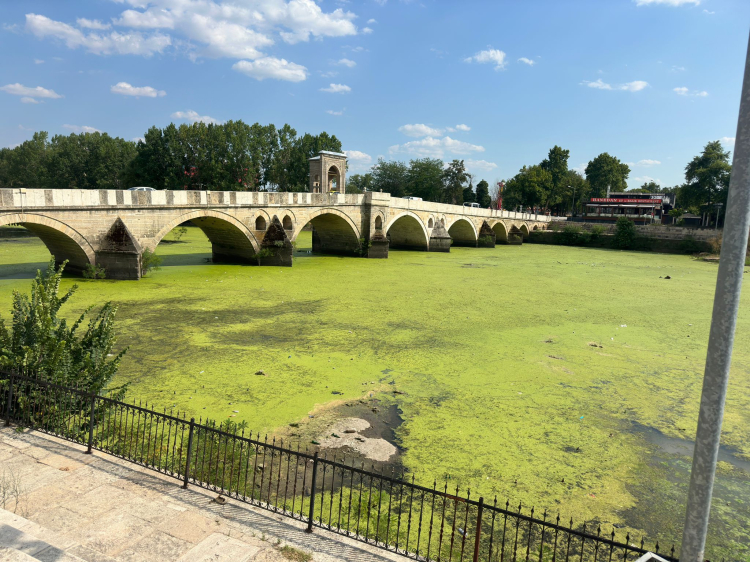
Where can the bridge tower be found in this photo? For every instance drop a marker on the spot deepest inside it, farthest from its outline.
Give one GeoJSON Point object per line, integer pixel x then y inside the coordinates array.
{"type": "Point", "coordinates": [328, 172]}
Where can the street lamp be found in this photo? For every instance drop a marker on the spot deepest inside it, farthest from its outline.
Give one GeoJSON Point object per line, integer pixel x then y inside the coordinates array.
{"type": "Point", "coordinates": [573, 211]}
{"type": "Point", "coordinates": [718, 213]}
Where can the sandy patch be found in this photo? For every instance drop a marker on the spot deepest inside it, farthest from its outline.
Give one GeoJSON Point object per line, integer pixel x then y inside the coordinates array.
{"type": "Point", "coordinates": [348, 431]}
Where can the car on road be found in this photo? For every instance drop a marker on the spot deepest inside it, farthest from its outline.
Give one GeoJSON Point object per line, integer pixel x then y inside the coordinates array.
{"type": "Point", "coordinates": [477, 205]}
{"type": "Point", "coordinates": [413, 198]}
{"type": "Point", "coordinates": [141, 189]}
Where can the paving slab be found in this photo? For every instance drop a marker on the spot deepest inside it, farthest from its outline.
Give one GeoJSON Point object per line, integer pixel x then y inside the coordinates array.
{"type": "Point", "coordinates": [98, 508]}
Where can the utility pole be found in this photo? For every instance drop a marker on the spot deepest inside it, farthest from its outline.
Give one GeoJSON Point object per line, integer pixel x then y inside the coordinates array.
{"type": "Point", "coordinates": [721, 337]}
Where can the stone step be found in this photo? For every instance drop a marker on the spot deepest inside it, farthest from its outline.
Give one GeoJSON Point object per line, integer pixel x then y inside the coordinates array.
{"type": "Point", "coordinates": [22, 540]}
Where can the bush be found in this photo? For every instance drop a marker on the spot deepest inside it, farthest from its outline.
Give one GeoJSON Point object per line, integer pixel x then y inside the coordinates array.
{"type": "Point", "coordinates": [149, 262]}
{"type": "Point", "coordinates": [570, 235]}
{"type": "Point", "coordinates": [715, 244]}
{"type": "Point", "coordinates": [41, 344]}
{"type": "Point", "coordinates": [94, 272]}
{"type": "Point", "coordinates": [596, 231]}
{"type": "Point", "coordinates": [625, 234]}
{"type": "Point", "coordinates": [179, 233]}
{"type": "Point", "coordinates": [690, 245]}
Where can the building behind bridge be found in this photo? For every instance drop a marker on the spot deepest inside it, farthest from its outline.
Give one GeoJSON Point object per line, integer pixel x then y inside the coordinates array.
{"type": "Point", "coordinates": [641, 208]}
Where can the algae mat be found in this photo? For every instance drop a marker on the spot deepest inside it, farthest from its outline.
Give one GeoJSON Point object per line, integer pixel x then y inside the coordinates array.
{"type": "Point", "coordinates": [541, 374]}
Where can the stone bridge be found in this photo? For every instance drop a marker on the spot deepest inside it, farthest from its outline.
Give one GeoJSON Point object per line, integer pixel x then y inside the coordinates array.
{"type": "Point", "coordinates": [112, 228]}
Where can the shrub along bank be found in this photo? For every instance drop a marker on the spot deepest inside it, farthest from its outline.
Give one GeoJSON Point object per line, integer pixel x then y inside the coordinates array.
{"type": "Point", "coordinates": [624, 237]}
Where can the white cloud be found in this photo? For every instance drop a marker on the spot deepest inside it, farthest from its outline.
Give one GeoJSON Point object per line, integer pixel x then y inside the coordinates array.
{"type": "Point", "coordinates": [126, 89]}
{"type": "Point", "coordinates": [436, 147]}
{"type": "Point", "coordinates": [646, 179]}
{"type": "Point", "coordinates": [366, 30]}
{"type": "Point", "coordinates": [676, 68]}
{"type": "Point", "coordinates": [666, 2]}
{"type": "Point", "coordinates": [371, 21]}
{"type": "Point", "coordinates": [420, 130]}
{"type": "Point", "coordinates": [581, 168]}
{"type": "Point", "coordinates": [193, 117]}
{"type": "Point", "coordinates": [38, 92]}
{"type": "Point", "coordinates": [112, 43]}
{"type": "Point", "coordinates": [81, 128]}
{"type": "Point", "coordinates": [209, 28]}
{"type": "Point", "coordinates": [708, 12]}
{"type": "Point", "coordinates": [38, 61]}
{"type": "Point", "coordinates": [491, 56]}
{"type": "Point", "coordinates": [727, 141]}
{"type": "Point", "coordinates": [347, 62]}
{"type": "Point", "coordinates": [92, 24]}
{"type": "Point", "coordinates": [479, 165]}
{"type": "Point", "coordinates": [635, 86]}
{"type": "Point", "coordinates": [337, 89]}
{"type": "Point", "coordinates": [138, 139]}
{"type": "Point", "coordinates": [358, 157]}
{"type": "Point", "coordinates": [336, 113]}
{"type": "Point", "coordinates": [463, 127]}
{"type": "Point", "coordinates": [29, 100]}
{"type": "Point", "coordinates": [524, 60]}
{"type": "Point", "coordinates": [647, 162]}
{"type": "Point", "coordinates": [683, 91]}
{"type": "Point", "coordinates": [329, 74]}
{"type": "Point", "coordinates": [271, 67]}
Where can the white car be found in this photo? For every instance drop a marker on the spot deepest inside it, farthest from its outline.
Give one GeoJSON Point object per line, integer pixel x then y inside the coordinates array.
{"type": "Point", "coordinates": [141, 189]}
{"type": "Point", "coordinates": [413, 198]}
{"type": "Point", "coordinates": [477, 205]}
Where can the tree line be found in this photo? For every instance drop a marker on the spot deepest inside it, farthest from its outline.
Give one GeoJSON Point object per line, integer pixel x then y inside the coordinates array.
{"type": "Point", "coordinates": [428, 178]}
{"type": "Point", "coordinates": [231, 156]}
{"type": "Point", "coordinates": [552, 186]}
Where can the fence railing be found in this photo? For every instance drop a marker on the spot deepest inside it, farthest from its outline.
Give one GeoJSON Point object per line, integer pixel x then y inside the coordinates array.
{"type": "Point", "coordinates": [387, 511]}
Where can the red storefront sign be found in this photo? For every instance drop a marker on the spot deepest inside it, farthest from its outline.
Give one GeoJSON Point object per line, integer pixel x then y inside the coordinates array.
{"type": "Point", "coordinates": [632, 201]}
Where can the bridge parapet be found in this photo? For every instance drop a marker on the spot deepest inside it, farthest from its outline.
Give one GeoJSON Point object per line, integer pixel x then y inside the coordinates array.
{"type": "Point", "coordinates": [34, 198]}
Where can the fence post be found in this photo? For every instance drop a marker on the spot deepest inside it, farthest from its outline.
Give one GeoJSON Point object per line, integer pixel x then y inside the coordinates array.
{"type": "Point", "coordinates": [479, 529]}
{"type": "Point", "coordinates": [312, 494]}
{"type": "Point", "coordinates": [10, 400]}
{"type": "Point", "coordinates": [91, 423]}
{"type": "Point", "coordinates": [189, 450]}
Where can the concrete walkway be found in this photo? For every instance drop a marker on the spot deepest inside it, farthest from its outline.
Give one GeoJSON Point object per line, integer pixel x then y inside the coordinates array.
{"type": "Point", "coordinates": [98, 508]}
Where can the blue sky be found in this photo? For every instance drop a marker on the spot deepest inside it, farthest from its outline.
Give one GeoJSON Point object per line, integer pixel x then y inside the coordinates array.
{"type": "Point", "coordinates": [494, 83]}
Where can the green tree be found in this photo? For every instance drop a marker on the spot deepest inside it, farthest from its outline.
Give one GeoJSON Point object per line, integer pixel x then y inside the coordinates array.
{"type": "Point", "coordinates": [454, 178]}
{"type": "Point", "coordinates": [359, 183]}
{"type": "Point", "coordinates": [577, 190]}
{"type": "Point", "coordinates": [424, 179]}
{"type": "Point", "coordinates": [26, 164]}
{"type": "Point", "coordinates": [604, 172]}
{"type": "Point", "coordinates": [40, 343]}
{"type": "Point", "coordinates": [556, 164]}
{"type": "Point", "coordinates": [390, 177]}
{"type": "Point", "coordinates": [707, 178]}
{"type": "Point", "coordinates": [625, 234]}
{"type": "Point", "coordinates": [647, 187]}
{"type": "Point", "coordinates": [483, 194]}
{"type": "Point", "coordinates": [527, 188]}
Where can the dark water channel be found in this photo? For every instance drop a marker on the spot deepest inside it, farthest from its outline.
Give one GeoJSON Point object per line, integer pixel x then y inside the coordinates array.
{"type": "Point", "coordinates": [661, 493]}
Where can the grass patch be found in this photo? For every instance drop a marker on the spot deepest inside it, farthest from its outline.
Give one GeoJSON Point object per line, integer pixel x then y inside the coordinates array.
{"type": "Point", "coordinates": [294, 554]}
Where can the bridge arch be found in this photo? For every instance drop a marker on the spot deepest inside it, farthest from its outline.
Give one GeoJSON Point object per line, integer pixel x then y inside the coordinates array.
{"type": "Point", "coordinates": [463, 232]}
{"type": "Point", "coordinates": [334, 232]}
{"type": "Point", "coordinates": [231, 240]}
{"type": "Point", "coordinates": [501, 232]}
{"type": "Point", "coordinates": [62, 241]}
{"type": "Point", "coordinates": [523, 227]}
{"type": "Point", "coordinates": [406, 230]}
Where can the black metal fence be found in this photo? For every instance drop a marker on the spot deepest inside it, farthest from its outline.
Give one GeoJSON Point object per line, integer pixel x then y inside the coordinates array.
{"type": "Point", "coordinates": [386, 511]}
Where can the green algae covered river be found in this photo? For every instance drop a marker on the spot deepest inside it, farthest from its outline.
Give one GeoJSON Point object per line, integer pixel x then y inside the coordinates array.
{"type": "Point", "coordinates": [564, 378]}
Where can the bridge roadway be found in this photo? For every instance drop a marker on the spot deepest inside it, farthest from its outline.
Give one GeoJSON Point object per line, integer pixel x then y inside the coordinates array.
{"type": "Point", "coordinates": [112, 228]}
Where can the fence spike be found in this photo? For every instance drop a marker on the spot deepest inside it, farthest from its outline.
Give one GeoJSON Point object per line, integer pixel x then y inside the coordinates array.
{"type": "Point", "coordinates": [519, 508]}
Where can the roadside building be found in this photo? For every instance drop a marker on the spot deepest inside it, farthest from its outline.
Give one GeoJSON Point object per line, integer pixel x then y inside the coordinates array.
{"type": "Point", "coordinates": [641, 208]}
